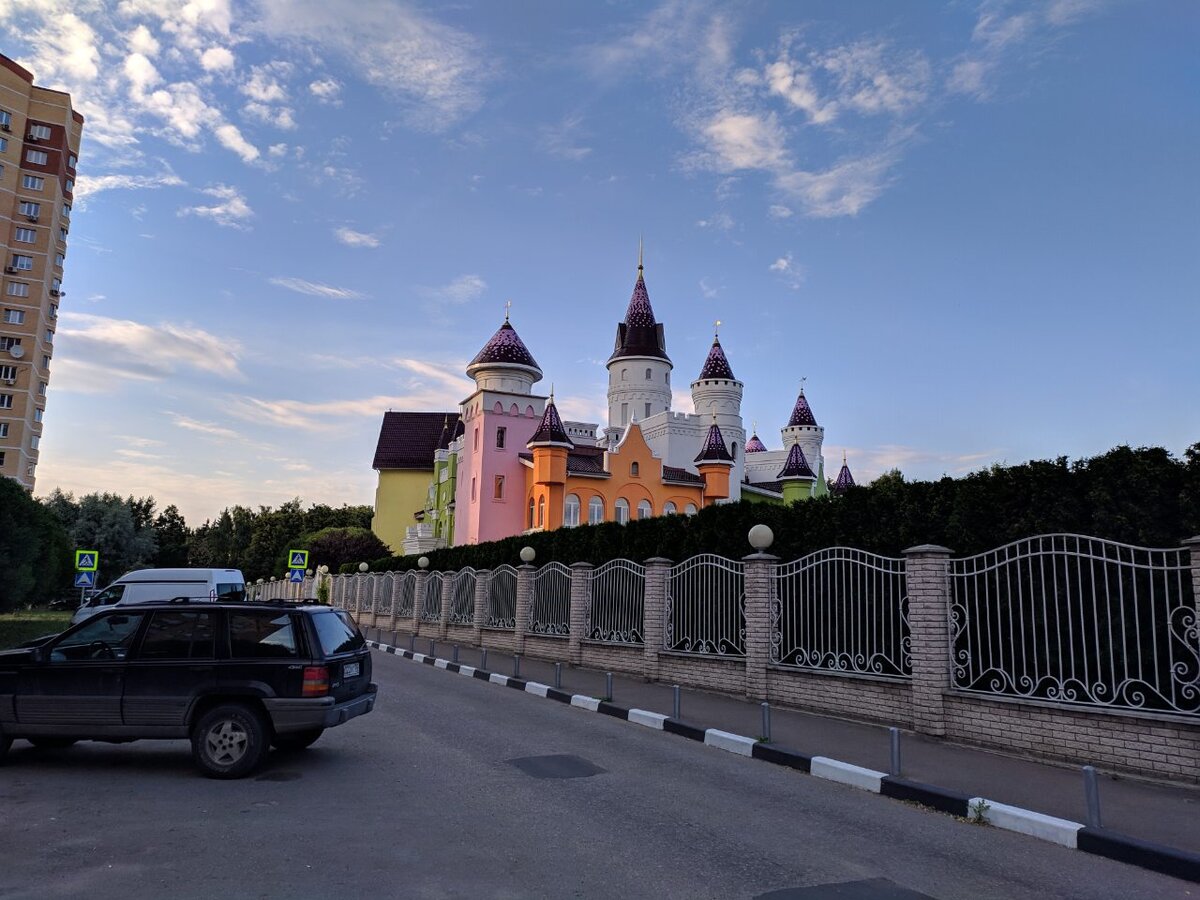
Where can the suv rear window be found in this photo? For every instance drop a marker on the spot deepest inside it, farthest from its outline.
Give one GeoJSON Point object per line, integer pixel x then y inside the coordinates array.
{"type": "Point", "coordinates": [337, 632]}
{"type": "Point", "coordinates": [261, 635]}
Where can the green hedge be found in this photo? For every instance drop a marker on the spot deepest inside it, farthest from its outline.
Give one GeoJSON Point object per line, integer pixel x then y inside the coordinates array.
{"type": "Point", "coordinates": [1143, 496]}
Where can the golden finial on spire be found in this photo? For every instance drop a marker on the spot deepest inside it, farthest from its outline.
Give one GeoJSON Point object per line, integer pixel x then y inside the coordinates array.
{"type": "Point", "coordinates": [716, 329]}
{"type": "Point", "coordinates": [507, 308]}
{"type": "Point", "coordinates": [754, 427]}
{"type": "Point", "coordinates": [552, 393]}
{"type": "Point", "coordinates": [802, 380]}
{"type": "Point", "coordinates": [640, 251]}
{"type": "Point", "coordinates": [843, 456]}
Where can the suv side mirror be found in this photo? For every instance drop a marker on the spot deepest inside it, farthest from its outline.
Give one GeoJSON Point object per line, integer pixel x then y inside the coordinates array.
{"type": "Point", "coordinates": [40, 654]}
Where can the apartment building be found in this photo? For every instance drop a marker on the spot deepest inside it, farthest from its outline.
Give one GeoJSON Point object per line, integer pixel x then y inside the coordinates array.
{"type": "Point", "coordinates": [39, 149]}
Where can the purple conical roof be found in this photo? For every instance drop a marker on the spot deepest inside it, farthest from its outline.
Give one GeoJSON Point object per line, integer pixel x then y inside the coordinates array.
{"type": "Point", "coordinates": [801, 412]}
{"type": "Point", "coordinates": [796, 465]}
{"type": "Point", "coordinates": [505, 347]}
{"type": "Point", "coordinates": [714, 449]}
{"type": "Point", "coordinates": [754, 445]}
{"type": "Point", "coordinates": [640, 334]}
{"type": "Point", "coordinates": [845, 480]}
{"type": "Point", "coordinates": [550, 430]}
{"type": "Point", "coordinates": [715, 364]}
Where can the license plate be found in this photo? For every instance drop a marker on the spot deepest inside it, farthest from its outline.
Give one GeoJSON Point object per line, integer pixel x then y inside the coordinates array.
{"type": "Point", "coordinates": [351, 670]}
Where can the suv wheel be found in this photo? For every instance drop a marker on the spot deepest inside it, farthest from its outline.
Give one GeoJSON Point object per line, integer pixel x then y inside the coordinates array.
{"type": "Point", "coordinates": [296, 740]}
{"type": "Point", "coordinates": [229, 741]}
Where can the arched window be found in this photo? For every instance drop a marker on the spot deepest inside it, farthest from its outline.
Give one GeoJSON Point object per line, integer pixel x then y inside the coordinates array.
{"type": "Point", "coordinates": [633, 468]}
{"type": "Point", "coordinates": [690, 509]}
{"type": "Point", "coordinates": [624, 374]}
{"type": "Point", "coordinates": [530, 512]}
{"type": "Point", "coordinates": [669, 509]}
{"type": "Point", "coordinates": [595, 511]}
{"type": "Point", "coordinates": [621, 510]}
{"type": "Point", "coordinates": [644, 510]}
{"type": "Point", "coordinates": [649, 374]}
{"type": "Point", "coordinates": [668, 378]}
{"type": "Point", "coordinates": [498, 408]}
{"type": "Point", "coordinates": [571, 511]}
{"type": "Point", "coordinates": [733, 449]}
{"type": "Point", "coordinates": [542, 511]}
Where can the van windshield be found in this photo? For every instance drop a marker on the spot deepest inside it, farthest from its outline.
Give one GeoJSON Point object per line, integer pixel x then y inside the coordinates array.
{"type": "Point", "coordinates": [231, 592]}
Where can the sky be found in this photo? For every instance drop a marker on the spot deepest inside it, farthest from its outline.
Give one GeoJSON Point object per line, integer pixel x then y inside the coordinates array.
{"type": "Point", "coordinates": [971, 226]}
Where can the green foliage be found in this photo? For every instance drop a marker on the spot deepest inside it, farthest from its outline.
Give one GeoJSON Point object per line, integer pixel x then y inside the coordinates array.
{"type": "Point", "coordinates": [1139, 496]}
{"type": "Point", "coordinates": [121, 529]}
{"type": "Point", "coordinates": [172, 534]}
{"type": "Point", "coordinates": [24, 625]}
{"type": "Point", "coordinates": [335, 547]}
{"type": "Point", "coordinates": [34, 549]}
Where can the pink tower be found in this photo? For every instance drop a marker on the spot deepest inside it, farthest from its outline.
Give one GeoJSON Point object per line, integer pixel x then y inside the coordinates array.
{"type": "Point", "coordinates": [498, 419]}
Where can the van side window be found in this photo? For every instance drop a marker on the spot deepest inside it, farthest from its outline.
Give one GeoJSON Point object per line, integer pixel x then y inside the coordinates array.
{"type": "Point", "coordinates": [261, 635]}
{"type": "Point", "coordinates": [234, 593]}
{"type": "Point", "coordinates": [108, 596]}
{"type": "Point", "coordinates": [179, 635]}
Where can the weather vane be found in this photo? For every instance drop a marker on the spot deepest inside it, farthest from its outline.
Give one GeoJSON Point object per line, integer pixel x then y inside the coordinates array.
{"type": "Point", "coordinates": [802, 380]}
{"type": "Point", "coordinates": [716, 327]}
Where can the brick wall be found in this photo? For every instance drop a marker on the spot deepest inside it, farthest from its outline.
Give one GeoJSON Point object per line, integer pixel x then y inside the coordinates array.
{"type": "Point", "coordinates": [1111, 740]}
{"type": "Point", "coordinates": [613, 657]}
{"type": "Point", "coordinates": [541, 647]}
{"type": "Point", "coordinates": [886, 702]}
{"type": "Point", "coordinates": [499, 640]}
{"type": "Point", "coordinates": [712, 673]}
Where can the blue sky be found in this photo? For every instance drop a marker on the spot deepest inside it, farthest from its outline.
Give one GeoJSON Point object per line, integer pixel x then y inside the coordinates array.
{"type": "Point", "coordinates": [972, 226]}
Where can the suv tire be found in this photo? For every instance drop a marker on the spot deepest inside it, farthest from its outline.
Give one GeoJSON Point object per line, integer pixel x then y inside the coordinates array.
{"type": "Point", "coordinates": [229, 741]}
{"type": "Point", "coordinates": [296, 740]}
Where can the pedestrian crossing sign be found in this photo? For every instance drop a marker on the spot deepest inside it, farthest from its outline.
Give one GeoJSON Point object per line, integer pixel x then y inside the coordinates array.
{"type": "Point", "coordinates": [85, 579]}
{"type": "Point", "coordinates": [86, 560]}
{"type": "Point", "coordinates": [296, 576]}
{"type": "Point", "coordinates": [297, 559]}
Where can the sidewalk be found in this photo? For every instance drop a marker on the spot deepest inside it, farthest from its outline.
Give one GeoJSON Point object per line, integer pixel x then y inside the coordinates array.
{"type": "Point", "coordinates": [1166, 814]}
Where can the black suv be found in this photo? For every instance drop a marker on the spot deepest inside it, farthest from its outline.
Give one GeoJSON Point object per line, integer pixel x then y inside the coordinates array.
{"type": "Point", "coordinates": [234, 678]}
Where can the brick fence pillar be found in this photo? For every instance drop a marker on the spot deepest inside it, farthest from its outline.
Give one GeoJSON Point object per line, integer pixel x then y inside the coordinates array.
{"type": "Point", "coordinates": [483, 583]}
{"type": "Point", "coordinates": [654, 614]}
{"type": "Point", "coordinates": [581, 610]}
{"type": "Point", "coordinates": [447, 599]}
{"type": "Point", "coordinates": [419, 599]}
{"type": "Point", "coordinates": [928, 578]}
{"type": "Point", "coordinates": [524, 596]}
{"type": "Point", "coordinates": [760, 600]}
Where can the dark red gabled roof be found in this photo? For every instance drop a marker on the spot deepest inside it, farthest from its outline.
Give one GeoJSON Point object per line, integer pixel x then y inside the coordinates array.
{"type": "Point", "coordinates": [505, 347]}
{"type": "Point", "coordinates": [550, 430]}
{"type": "Point", "coordinates": [408, 440]}
{"type": "Point", "coordinates": [714, 449]}
{"type": "Point", "coordinates": [802, 413]}
{"type": "Point", "coordinates": [796, 465]}
{"type": "Point", "coordinates": [681, 476]}
{"type": "Point", "coordinates": [640, 334]}
{"type": "Point", "coordinates": [715, 364]}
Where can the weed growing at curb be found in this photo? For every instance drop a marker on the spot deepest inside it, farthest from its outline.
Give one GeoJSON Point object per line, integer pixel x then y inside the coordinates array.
{"type": "Point", "coordinates": [978, 812]}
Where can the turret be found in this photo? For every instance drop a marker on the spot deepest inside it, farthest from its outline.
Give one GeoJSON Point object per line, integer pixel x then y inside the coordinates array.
{"type": "Point", "coordinates": [797, 476]}
{"type": "Point", "coordinates": [639, 370]}
{"type": "Point", "coordinates": [845, 480]}
{"type": "Point", "coordinates": [716, 390]}
{"type": "Point", "coordinates": [550, 445]}
{"type": "Point", "coordinates": [802, 429]}
{"type": "Point", "coordinates": [505, 363]}
{"type": "Point", "coordinates": [714, 463]}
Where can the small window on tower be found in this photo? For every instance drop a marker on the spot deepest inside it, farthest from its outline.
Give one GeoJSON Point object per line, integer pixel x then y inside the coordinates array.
{"type": "Point", "coordinates": [472, 488]}
{"type": "Point", "coordinates": [624, 413]}
{"type": "Point", "coordinates": [624, 374]}
{"type": "Point", "coordinates": [475, 442]}
{"type": "Point", "coordinates": [633, 469]}
{"type": "Point", "coordinates": [500, 433]}
{"type": "Point", "coordinates": [649, 374]}
{"type": "Point", "coordinates": [647, 415]}
{"type": "Point", "coordinates": [498, 491]}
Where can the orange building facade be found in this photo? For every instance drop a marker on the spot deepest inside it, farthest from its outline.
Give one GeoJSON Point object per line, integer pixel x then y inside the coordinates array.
{"type": "Point", "coordinates": [567, 485]}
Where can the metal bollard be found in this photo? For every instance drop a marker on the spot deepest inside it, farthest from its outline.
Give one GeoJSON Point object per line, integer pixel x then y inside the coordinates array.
{"type": "Point", "coordinates": [516, 665]}
{"type": "Point", "coordinates": [432, 649]}
{"type": "Point", "coordinates": [766, 722]}
{"type": "Point", "coordinates": [675, 706]}
{"type": "Point", "coordinates": [894, 740]}
{"type": "Point", "coordinates": [412, 643]}
{"type": "Point", "coordinates": [558, 675]}
{"type": "Point", "coordinates": [483, 659]}
{"type": "Point", "coordinates": [454, 653]}
{"type": "Point", "coordinates": [608, 686]}
{"type": "Point", "coordinates": [1091, 793]}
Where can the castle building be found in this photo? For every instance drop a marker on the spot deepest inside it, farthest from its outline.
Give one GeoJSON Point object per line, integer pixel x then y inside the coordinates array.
{"type": "Point", "coordinates": [39, 149]}
{"type": "Point", "coordinates": [513, 465]}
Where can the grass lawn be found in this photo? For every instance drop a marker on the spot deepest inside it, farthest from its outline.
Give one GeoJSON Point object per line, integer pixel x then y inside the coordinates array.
{"type": "Point", "coordinates": [18, 627]}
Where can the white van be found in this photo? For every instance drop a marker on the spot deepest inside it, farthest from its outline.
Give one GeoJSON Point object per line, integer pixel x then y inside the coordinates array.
{"type": "Point", "coordinates": [151, 585]}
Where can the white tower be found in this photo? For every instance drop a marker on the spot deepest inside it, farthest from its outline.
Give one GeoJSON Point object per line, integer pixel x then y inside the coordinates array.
{"type": "Point", "coordinates": [802, 429]}
{"type": "Point", "coordinates": [717, 394]}
{"type": "Point", "coordinates": [639, 370]}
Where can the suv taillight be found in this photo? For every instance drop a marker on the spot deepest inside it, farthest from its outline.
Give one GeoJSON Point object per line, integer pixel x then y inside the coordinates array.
{"type": "Point", "coordinates": [316, 681]}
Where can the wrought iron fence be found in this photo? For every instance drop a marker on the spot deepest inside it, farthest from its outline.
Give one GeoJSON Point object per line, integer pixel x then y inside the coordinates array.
{"type": "Point", "coordinates": [406, 592]}
{"type": "Point", "coordinates": [706, 608]}
{"type": "Point", "coordinates": [618, 602]}
{"type": "Point", "coordinates": [502, 598]}
{"type": "Point", "coordinates": [462, 598]}
{"type": "Point", "coordinates": [364, 586]}
{"type": "Point", "coordinates": [385, 586]}
{"type": "Point", "coordinates": [842, 610]}
{"type": "Point", "coordinates": [431, 609]}
{"type": "Point", "coordinates": [1080, 620]}
{"type": "Point", "coordinates": [550, 602]}
{"type": "Point", "coordinates": [338, 589]}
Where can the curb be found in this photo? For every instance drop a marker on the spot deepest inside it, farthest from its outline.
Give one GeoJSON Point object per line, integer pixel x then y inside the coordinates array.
{"type": "Point", "coordinates": [1074, 835]}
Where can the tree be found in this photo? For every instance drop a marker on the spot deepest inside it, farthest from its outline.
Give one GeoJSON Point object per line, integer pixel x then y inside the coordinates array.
{"type": "Point", "coordinates": [120, 529]}
{"type": "Point", "coordinates": [34, 549]}
{"type": "Point", "coordinates": [172, 534]}
{"type": "Point", "coordinates": [334, 547]}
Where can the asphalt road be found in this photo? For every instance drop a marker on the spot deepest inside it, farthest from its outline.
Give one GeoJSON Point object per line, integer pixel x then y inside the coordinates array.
{"type": "Point", "coordinates": [422, 799]}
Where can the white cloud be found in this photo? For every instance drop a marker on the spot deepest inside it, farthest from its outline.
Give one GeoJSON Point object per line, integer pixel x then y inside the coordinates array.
{"type": "Point", "coordinates": [315, 288]}
{"type": "Point", "coordinates": [97, 351]}
{"type": "Point", "coordinates": [739, 140]}
{"type": "Point", "coordinates": [89, 185]}
{"type": "Point", "coordinates": [709, 291]}
{"type": "Point", "coordinates": [789, 270]}
{"type": "Point", "coordinates": [141, 73]}
{"type": "Point", "coordinates": [796, 86]}
{"type": "Point", "coordinates": [779, 211]}
{"type": "Point", "coordinates": [325, 89]}
{"type": "Point", "coordinates": [232, 210]}
{"type": "Point", "coordinates": [217, 59]}
{"type": "Point", "coordinates": [562, 140]}
{"type": "Point", "coordinates": [721, 221]}
{"type": "Point", "coordinates": [277, 150]}
{"type": "Point", "coordinates": [462, 289]}
{"type": "Point", "coordinates": [436, 71]}
{"type": "Point", "coordinates": [841, 190]}
{"type": "Point", "coordinates": [352, 238]}
{"type": "Point", "coordinates": [263, 84]}
{"type": "Point", "coordinates": [142, 41]}
{"type": "Point", "coordinates": [209, 428]}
